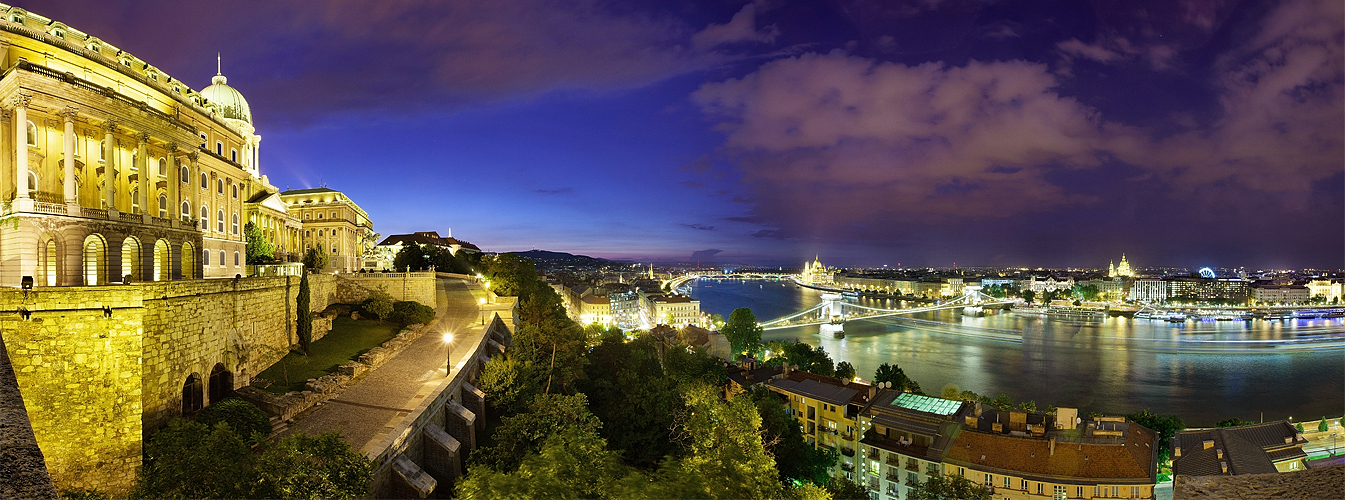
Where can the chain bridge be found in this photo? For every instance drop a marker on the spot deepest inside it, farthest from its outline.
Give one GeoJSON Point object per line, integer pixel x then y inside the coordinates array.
{"type": "Point", "coordinates": [834, 310]}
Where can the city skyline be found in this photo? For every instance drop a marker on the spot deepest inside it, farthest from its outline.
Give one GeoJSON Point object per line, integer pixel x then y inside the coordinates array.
{"type": "Point", "coordinates": [928, 133]}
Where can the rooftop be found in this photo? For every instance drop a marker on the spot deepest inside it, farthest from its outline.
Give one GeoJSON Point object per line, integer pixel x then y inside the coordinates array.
{"type": "Point", "coordinates": [1132, 460]}
{"type": "Point", "coordinates": [937, 406]}
{"type": "Point", "coordinates": [1247, 449]}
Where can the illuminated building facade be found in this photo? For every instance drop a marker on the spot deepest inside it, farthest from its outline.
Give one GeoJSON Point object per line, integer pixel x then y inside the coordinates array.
{"type": "Point", "coordinates": [1120, 271]}
{"type": "Point", "coordinates": [814, 273]}
{"type": "Point", "coordinates": [1327, 290]}
{"type": "Point", "coordinates": [115, 168]}
{"type": "Point", "coordinates": [334, 222]}
{"type": "Point", "coordinates": [1151, 291]}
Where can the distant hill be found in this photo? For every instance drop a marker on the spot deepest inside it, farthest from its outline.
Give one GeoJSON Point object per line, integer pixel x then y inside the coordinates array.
{"type": "Point", "coordinates": [545, 257]}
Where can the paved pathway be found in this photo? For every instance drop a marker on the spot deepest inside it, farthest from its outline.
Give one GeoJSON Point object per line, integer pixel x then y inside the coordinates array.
{"type": "Point", "coordinates": [368, 410]}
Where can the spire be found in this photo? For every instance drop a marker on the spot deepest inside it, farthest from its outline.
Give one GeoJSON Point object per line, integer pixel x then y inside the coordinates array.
{"type": "Point", "coordinates": [219, 78]}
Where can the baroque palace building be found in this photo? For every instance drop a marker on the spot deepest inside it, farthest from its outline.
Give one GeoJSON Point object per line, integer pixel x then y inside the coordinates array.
{"type": "Point", "coordinates": [115, 171]}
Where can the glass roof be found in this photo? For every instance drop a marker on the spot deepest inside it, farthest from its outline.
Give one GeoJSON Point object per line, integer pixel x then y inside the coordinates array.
{"type": "Point", "coordinates": [937, 406]}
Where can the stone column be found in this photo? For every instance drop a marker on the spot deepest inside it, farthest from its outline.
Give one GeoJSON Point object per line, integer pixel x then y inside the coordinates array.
{"type": "Point", "coordinates": [142, 158]}
{"type": "Point", "coordinates": [21, 199]}
{"type": "Point", "coordinates": [193, 188]}
{"type": "Point", "coordinates": [174, 182]}
{"type": "Point", "coordinates": [257, 154]}
{"type": "Point", "coordinates": [109, 163]}
{"type": "Point", "coordinates": [68, 146]}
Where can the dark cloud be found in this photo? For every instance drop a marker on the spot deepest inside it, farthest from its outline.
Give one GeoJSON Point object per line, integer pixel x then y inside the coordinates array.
{"type": "Point", "coordinates": [751, 219]}
{"type": "Point", "coordinates": [705, 255]}
{"type": "Point", "coordinates": [698, 226]}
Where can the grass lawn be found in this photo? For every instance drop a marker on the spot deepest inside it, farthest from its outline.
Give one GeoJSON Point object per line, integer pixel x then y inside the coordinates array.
{"type": "Point", "coordinates": [347, 340]}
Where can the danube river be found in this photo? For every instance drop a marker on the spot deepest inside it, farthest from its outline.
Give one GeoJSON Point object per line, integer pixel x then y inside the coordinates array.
{"type": "Point", "coordinates": [1202, 371]}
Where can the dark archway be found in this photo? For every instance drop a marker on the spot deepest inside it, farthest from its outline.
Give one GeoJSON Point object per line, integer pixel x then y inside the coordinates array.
{"type": "Point", "coordinates": [221, 383]}
{"type": "Point", "coordinates": [192, 395]}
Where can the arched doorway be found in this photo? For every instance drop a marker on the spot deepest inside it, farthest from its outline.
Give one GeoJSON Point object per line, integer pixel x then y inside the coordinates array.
{"type": "Point", "coordinates": [163, 261]}
{"type": "Point", "coordinates": [192, 395]}
{"type": "Point", "coordinates": [46, 253]}
{"type": "Point", "coordinates": [188, 261]}
{"type": "Point", "coordinates": [95, 260]}
{"type": "Point", "coordinates": [221, 383]}
{"type": "Point", "coordinates": [130, 259]}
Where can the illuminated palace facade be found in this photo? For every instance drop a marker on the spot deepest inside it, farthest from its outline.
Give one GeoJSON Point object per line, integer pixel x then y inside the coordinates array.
{"type": "Point", "coordinates": [113, 170]}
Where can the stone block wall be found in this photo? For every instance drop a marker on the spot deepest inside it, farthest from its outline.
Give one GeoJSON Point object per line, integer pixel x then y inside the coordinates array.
{"type": "Point", "coordinates": [354, 288]}
{"type": "Point", "coordinates": [78, 367]}
{"type": "Point", "coordinates": [103, 367]}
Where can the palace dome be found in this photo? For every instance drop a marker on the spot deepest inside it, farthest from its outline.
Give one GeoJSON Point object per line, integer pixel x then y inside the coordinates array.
{"type": "Point", "coordinates": [228, 102]}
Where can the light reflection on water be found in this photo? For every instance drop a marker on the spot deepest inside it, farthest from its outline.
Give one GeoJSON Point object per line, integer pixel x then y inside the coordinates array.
{"type": "Point", "coordinates": [1202, 371]}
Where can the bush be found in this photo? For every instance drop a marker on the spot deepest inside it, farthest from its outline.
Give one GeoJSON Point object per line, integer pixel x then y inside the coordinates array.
{"type": "Point", "coordinates": [378, 305]}
{"type": "Point", "coordinates": [243, 417]}
{"type": "Point", "coordinates": [410, 312]}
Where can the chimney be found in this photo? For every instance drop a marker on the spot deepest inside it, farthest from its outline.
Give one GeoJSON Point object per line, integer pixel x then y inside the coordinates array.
{"type": "Point", "coordinates": [786, 370]}
{"type": "Point", "coordinates": [1053, 446]}
{"type": "Point", "coordinates": [873, 392]}
{"type": "Point", "coordinates": [1177, 451]}
{"type": "Point", "coordinates": [1207, 444]}
{"type": "Point", "coordinates": [1219, 452]}
{"type": "Point", "coordinates": [1224, 467]}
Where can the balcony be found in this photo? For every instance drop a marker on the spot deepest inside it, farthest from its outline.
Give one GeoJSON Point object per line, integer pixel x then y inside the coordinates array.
{"type": "Point", "coordinates": [892, 492]}
{"type": "Point", "coordinates": [873, 454]}
{"type": "Point", "coordinates": [912, 466]}
{"type": "Point", "coordinates": [912, 481]}
{"type": "Point", "coordinates": [894, 460]}
{"type": "Point", "coordinates": [848, 467]}
{"type": "Point", "coordinates": [847, 451]}
{"type": "Point", "coordinates": [893, 476]}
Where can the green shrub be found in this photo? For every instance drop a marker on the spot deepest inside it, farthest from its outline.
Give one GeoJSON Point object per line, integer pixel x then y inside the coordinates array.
{"type": "Point", "coordinates": [410, 312]}
{"type": "Point", "coordinates": [378, 305]}
{"type": "Point", "coordinates": [242, 416]}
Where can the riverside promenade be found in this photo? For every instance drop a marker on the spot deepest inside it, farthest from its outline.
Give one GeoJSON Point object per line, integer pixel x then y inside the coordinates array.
{"type": "Point", "coordinates": [408, 415]}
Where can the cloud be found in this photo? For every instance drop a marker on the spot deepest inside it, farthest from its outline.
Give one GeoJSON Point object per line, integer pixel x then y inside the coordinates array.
{"type": "Point", "coordinates": [699, 226]}
{"type": "Point", "coordinates": [751, 219]}
{"type": "Point", "coordinates": [742, 28]}
{"type": "Point", "coordinates": [549, 192]}
{"type": "Point", "coordinates": [827, 137]}
{"type": "Point", "coordinates": [707, 254]}
{"type": "Point", "coordinates": [1115, 48]}
{"type": "Point", "coordinates": [299, 60]}
{"type": "Point", "coordinates": [842, 147]}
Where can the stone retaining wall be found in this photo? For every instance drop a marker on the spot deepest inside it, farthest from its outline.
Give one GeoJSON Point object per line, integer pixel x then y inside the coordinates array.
{"type": "Point", "coordinates": [103, 367]}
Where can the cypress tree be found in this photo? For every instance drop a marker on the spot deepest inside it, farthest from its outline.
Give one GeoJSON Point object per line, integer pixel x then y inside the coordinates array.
{"type": "Point", "coordinates": [304, 326]}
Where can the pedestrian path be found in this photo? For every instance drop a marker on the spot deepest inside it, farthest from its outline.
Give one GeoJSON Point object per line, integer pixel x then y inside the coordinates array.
{"type": "Point", "coordinates": [366, 411]}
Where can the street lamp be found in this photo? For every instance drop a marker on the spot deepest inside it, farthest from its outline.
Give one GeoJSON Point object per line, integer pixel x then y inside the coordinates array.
{"type": "Point", "coordinates": [448, 345]}
{"type": "Point", "coordinates": [481, 308]}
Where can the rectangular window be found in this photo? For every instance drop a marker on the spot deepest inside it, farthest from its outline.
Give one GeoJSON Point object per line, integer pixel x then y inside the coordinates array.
{"type": "Point", "coordinates": [1080, 492]}
{"type": "Point", "coordinates": [989, 479]}
{"type": "Point", "coordinates": [1023, 486]}
{"type": "Point", "coordinates": [1116, 491]}
{"type": "Point", "coordinates": [1061, 493]}
{"type": "Point", "coordinates": [1134, 492]}
{"type": "Point", "coordinates": [812, 413]}
{"type": "Point", "coordinates": [1006, 482]}
{"type": "Point", "coordinates": [1040, 489]}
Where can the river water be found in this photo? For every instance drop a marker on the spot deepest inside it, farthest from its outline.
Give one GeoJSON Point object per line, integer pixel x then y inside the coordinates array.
{"type": "Point", "coordinates": [1201, 371]}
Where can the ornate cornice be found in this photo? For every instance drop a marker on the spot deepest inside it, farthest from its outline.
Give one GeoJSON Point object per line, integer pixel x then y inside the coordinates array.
{"type": "Point", "coordinates": [110, 125]}
{"type": "Point", "coordinates": [69, 113]}
{"type": "Point", "coordinates": [20, 100]}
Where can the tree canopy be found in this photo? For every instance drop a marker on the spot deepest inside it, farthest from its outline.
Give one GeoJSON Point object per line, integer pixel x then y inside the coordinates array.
{"type": "Point", "coordinates": [742, 332]}
{"type": "Point", "coordinates": [948, 487]}
{"type": "Point", "coordinates": [259, 249]}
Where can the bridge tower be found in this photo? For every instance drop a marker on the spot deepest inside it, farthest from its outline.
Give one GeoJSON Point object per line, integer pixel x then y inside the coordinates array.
{"type": "Point", "coordinates": [971, 296]}
{"type": "Point", "coordinates": [833, 312]}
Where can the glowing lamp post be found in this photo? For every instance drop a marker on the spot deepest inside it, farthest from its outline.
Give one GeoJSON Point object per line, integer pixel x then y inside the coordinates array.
{"type": "Point", "coordinates": [481, 306]}
{"type": "Point", "coordinates": [448, 345]}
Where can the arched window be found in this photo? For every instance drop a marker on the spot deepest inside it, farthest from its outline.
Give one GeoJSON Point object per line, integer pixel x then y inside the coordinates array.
{"type": "Point", "coordinates": [220, 225]}
{"type": "Point", "coordinates": [32, 182]}
{"type": "Point", "coordinates": [235, 223]}
{"type": "Point", "coordinates": [219, 186]}
{"type": "Point", "coordinates": [204, 140]}
{"type": "Point", "coordinates": [193, 395]}
{"type": "Point", "coordinates": [163, 167]}
{"type": "Point", "coordinates": [234, 187]}
{"type": "Point", "coordinates": [130, 260]}
{"type": "Point", "coordinates": [205, 181]}
{"type": "Point", "coordinates": [102, 150]}
{"type": "Point", "coordinates": [219, 148]}
{"type": "Point", "coordinates": [319, 215]}
{"type": "Point", "coordinates": [205, 257]}
{"type": "Point", "coordinates": [221, 258]}
{"type": "Point", "coordinates": [319, 233]}
{"type": "Point", "coordinates": [205, 217]}
{"type": "Point", "coordinates": [32, 134]}
{"type": "Point", "coordinates": [135, 200]}
{"type": "Point", "coordinates": [186, 175]}
{"type": "Point", "coordinates": [163, 207]}
{"type": "Point", "coordinates": [237, 260]}
{"type": "Point", "coordinates": [186, 210]}
{"type": "Point", "coordinates": [233, 155]}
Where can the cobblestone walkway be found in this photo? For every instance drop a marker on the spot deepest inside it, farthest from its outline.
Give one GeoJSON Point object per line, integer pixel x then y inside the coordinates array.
{"type": "Point", "coordinates": [366, 411]}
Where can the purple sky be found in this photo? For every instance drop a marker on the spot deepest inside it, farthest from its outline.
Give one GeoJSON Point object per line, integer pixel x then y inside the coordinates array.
{"type": "Point", "coordinates": [1183, 133]}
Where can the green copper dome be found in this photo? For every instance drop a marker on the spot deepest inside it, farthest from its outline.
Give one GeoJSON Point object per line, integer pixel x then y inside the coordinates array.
{"type": "Point", "coordinates": [228, 102]}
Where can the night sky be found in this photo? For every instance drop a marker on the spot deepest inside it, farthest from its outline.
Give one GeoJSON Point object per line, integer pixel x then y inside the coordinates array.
{"type": "Point", "coordinates": [1035, 133]}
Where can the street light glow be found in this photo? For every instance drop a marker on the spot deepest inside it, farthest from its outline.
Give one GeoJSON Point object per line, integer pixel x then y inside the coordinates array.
{"type": "Point", "coordinates": [448, 338]}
